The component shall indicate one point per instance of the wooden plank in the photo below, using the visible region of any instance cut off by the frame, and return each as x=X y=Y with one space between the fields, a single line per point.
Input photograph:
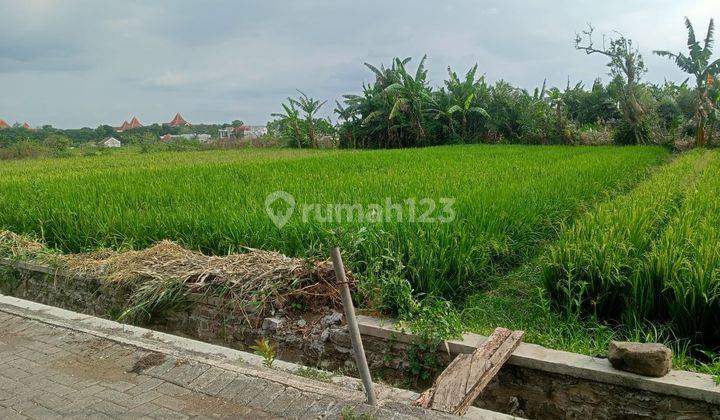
x=468 y=375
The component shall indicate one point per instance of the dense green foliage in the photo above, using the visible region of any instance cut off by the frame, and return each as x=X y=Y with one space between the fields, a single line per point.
x=401 y=109
x=650 y=255
x=509 y=200
x=698 y=64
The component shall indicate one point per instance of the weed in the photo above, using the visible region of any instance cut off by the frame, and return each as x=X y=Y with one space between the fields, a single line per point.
x=263 y=348
x=348 y=413
x=316 y=374
x=434 y=322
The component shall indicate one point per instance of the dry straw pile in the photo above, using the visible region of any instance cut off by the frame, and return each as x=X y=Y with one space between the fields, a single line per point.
x=166 y=274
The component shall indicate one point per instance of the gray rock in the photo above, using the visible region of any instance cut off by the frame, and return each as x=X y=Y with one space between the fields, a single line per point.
x=301 y=323
x=648 y=359
x=271 y=324
x=332 y=319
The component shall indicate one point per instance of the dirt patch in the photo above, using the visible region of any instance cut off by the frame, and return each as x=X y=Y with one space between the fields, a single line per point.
x=147 y=361
x=96 y=362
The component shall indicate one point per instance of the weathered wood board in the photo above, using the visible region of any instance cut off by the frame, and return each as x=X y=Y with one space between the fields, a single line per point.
x=468 y=375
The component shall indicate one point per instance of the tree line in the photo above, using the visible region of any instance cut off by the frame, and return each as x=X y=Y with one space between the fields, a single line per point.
x=19 y=142
x=401 y=109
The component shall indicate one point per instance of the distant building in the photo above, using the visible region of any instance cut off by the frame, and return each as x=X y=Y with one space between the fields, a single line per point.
x=3 y=124
x=232 y=132
x=256 y=130
x=111 y=142
x=26 y=125
x=178 y=121
x=202 y=138
x=124 y=126
x=135 y=123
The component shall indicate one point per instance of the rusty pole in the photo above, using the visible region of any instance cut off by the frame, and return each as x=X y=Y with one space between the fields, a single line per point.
x=353 y=328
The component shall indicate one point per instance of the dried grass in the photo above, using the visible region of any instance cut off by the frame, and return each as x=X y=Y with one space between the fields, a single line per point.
x=166 y=273
x=250 y=275
x=15 y=246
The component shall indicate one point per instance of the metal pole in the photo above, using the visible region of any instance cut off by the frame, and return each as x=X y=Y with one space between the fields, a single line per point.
x=357 y=345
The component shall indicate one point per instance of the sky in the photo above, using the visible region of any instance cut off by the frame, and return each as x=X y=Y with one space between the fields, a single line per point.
x=83 y=63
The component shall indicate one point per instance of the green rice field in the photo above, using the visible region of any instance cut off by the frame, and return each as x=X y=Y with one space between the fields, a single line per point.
x=508 y=201
x=576 y=245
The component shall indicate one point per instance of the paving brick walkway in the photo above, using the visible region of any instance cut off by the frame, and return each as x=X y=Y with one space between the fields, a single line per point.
x=51 y=370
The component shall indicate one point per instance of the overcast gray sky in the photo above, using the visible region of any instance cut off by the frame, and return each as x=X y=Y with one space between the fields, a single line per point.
x=73 y=63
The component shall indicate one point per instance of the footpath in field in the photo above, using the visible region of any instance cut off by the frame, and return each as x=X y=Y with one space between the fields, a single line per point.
x=56 y=363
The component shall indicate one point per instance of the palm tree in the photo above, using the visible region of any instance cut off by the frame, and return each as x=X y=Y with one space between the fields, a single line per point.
x=698 y=64
x=310 y=107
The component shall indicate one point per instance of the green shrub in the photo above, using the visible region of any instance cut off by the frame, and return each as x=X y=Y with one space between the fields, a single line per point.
x=24 y=149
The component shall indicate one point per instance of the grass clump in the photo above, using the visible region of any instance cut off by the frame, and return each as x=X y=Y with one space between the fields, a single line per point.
x=315 y=374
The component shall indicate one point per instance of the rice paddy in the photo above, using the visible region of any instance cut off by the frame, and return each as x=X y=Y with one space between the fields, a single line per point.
x=576 y=245
x=651 y=255
x=509 y=201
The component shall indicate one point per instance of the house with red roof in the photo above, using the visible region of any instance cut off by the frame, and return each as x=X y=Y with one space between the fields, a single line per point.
x=178 y=121
x=26 y=125
x=135 y=123
x=124 y=126
x=3 y=124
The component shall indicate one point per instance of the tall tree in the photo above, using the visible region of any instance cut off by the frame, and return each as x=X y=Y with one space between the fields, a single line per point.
x=290 y=122
x=698 y=64
x=463 y=95
x=310 y=107
x=626 y=62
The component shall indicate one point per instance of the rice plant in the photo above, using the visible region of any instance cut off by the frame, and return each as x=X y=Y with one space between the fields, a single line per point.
x=509 y=201
x=679 y=281
x=649 y=256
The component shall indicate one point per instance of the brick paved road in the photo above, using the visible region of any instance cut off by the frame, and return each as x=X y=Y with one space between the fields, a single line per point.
x=54 y=371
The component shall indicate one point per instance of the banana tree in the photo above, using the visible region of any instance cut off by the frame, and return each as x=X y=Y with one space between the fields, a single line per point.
x=310 y=107
x=464 y=96
x=411 y=99
x=290 y=121
x=698 y=64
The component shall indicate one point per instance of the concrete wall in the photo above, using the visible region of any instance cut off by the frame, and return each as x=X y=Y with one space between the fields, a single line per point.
x=536 y=382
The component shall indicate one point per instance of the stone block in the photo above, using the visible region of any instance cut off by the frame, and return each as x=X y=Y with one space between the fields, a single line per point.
x=648 y=359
